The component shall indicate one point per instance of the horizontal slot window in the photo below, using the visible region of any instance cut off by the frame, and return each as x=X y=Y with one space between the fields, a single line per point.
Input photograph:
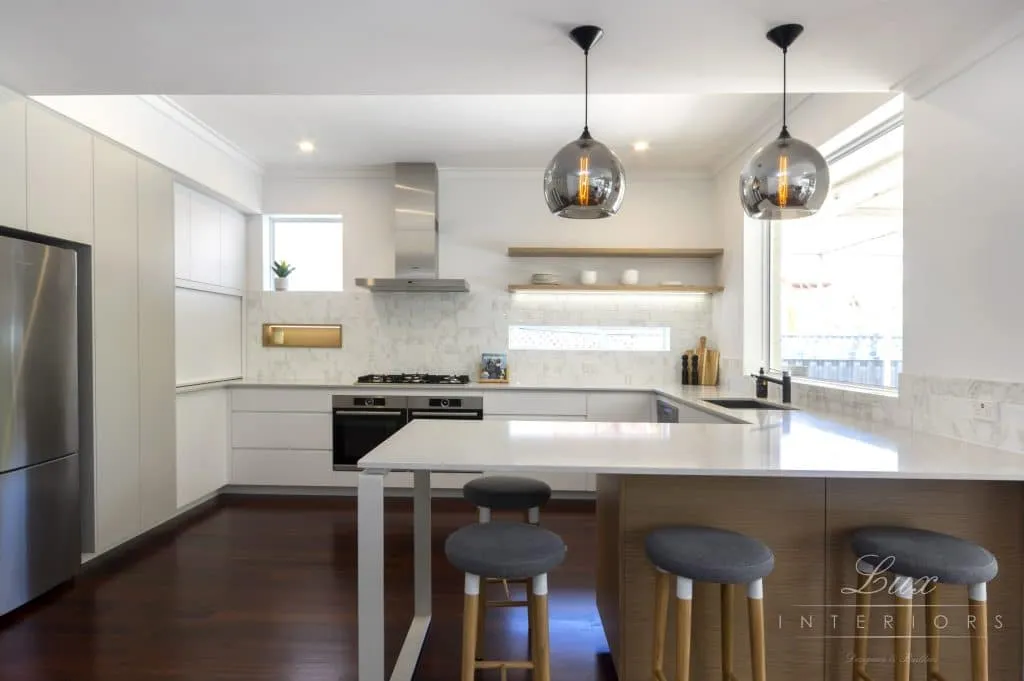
x=596 y=338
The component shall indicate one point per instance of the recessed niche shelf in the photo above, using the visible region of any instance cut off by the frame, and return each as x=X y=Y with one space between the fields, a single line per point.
x=302 y=335
x=557 y=252
x=610 y=288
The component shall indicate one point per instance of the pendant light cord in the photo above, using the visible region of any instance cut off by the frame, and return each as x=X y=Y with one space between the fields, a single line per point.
x=586 y=92
x=785 y=90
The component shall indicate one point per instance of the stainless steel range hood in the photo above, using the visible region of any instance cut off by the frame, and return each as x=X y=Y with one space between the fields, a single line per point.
x=416 y=218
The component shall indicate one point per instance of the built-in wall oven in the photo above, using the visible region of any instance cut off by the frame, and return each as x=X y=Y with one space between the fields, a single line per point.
x=363 y=422
x=462 y=408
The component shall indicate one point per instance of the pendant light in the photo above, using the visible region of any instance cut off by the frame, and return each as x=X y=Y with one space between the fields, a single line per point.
x=585 y=179
x=787 y=178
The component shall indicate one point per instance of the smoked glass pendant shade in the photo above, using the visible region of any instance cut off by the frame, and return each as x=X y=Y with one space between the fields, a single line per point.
x=786 y=179
x=585 y=180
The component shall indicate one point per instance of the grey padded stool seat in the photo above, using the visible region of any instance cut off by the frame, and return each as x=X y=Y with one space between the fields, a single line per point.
x=505 y=493
x=707 y=554
x=918 y=561
x=505 y=550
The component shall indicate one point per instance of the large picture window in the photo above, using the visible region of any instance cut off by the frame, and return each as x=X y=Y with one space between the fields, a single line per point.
x=835 y=280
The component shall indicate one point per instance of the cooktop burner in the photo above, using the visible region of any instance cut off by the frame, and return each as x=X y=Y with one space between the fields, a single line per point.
x=430 y=379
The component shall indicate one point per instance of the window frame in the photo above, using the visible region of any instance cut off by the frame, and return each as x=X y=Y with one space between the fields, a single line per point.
x=269 y=241
x=772 y=256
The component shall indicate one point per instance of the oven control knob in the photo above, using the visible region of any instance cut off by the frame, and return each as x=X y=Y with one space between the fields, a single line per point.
x=444 y=403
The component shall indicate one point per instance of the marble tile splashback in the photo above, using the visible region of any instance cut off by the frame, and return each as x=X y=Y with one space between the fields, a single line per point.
x=945 y=406
x=448 y=332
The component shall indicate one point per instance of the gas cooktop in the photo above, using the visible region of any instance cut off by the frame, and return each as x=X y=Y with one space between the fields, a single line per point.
x=428 y=379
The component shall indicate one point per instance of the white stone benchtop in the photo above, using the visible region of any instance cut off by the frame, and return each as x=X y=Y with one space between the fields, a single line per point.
x=772 y=444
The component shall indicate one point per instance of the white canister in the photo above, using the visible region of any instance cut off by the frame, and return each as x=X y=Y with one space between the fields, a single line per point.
x=631 y=277
x=588 y=277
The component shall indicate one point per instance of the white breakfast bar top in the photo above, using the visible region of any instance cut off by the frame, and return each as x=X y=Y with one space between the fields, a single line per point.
x=776 y=444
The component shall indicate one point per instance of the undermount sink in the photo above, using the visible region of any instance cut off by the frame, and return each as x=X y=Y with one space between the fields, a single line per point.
x=746 y=403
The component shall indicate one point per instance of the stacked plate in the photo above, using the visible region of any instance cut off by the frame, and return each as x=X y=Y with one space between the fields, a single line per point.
x=544 y=279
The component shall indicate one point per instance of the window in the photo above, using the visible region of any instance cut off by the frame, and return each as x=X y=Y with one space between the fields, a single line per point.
x=602 y=338
x=835 y=280
x=312 y=245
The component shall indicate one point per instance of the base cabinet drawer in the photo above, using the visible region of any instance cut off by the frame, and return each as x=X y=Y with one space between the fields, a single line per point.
x=297 y=468
x=521 y=403
x=272 y=430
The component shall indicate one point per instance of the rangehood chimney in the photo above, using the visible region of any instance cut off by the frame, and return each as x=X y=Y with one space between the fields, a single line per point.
x=415 y=201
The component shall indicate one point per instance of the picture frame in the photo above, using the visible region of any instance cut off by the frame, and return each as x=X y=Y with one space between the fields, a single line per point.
x=493 y=368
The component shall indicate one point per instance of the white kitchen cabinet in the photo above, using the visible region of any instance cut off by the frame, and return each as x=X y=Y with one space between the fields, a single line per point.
x=182 y=232
x=232 y=248
x=625 y=407
x=13 y=202
x=546 y=402
x=271 y=430
x=156 y=344
x=201 y=443
x=60 y=177
x=204 y=240
x=116 y=344
x=281 y=399
x=299 y=468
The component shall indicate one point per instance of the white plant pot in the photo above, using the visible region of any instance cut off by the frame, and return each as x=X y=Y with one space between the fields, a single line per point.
x=280 y=283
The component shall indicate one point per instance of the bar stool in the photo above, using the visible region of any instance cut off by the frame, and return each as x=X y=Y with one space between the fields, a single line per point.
x=705 y=554
x=504 y=550
x=920 y=560
x=505 y=493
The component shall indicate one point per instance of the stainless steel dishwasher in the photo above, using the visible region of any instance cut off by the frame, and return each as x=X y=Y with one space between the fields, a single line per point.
x=667 y=412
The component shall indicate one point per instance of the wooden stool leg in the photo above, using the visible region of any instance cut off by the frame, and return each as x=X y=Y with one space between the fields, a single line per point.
x=861 y=630
x=531 y=618
x=755 y=610
x=481 y=618
x=727 y=608
x=978 y=610
x=931 y=612
x=684 y=615
x=661 y=584
x=470 y=612
x=904 y=587
x=542 y=644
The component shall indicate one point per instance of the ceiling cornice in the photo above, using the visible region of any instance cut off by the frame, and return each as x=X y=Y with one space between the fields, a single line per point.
x=954 y=63
x=182 y=117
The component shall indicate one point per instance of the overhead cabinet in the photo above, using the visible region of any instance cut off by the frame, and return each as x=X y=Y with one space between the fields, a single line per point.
x=209 y=241
x=13 y=202
x=60 y=176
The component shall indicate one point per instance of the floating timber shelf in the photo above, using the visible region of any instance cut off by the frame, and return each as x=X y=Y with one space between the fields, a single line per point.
x=545 y=252
x=611 y=288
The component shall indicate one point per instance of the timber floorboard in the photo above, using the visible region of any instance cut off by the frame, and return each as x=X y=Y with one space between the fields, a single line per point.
x=265 y=589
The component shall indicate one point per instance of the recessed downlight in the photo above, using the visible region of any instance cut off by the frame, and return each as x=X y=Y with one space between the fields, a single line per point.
x=641 y=145
x=306 y=146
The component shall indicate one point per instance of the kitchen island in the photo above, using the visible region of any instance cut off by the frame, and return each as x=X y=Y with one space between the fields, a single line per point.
x=795 y=480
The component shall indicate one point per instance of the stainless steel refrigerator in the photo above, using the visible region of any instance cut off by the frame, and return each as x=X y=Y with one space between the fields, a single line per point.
x=40 y=530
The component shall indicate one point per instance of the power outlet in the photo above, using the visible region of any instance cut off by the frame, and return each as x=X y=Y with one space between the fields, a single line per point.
x=985 y=410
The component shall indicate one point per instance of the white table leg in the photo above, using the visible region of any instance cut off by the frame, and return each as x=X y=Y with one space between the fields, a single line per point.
x=370 y=541
x=421 y=541
x=371 y=577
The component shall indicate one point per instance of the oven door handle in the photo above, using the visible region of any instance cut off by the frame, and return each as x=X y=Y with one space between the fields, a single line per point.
x=445 y=414
x=368 y=412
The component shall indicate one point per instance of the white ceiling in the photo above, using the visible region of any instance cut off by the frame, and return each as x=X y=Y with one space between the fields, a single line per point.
x=470 y=46
x=686 y=132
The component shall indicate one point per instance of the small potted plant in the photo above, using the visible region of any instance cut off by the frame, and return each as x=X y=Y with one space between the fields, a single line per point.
x=281 y=271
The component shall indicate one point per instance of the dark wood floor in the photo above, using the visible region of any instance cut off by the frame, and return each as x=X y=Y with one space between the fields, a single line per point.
x=266 y=590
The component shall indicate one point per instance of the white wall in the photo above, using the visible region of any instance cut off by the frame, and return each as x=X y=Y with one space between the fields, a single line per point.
x=482 y=213
x=962 y=224
x=157 y=129
x=817 y=119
